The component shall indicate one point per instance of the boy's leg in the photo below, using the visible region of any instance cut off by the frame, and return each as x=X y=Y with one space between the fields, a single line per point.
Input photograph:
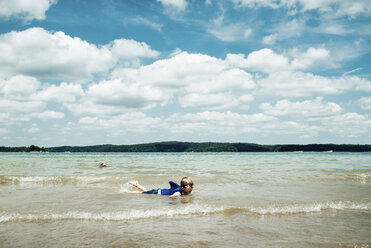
x=137 y=185
x=132 y=192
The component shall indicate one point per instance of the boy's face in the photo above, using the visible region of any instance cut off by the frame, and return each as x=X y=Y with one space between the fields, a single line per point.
x=186 y=190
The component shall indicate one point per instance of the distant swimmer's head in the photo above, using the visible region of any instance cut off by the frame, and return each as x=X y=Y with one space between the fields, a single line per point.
x=187 y=185
x=102 y=164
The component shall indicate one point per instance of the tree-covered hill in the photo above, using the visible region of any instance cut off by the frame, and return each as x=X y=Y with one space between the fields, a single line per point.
x=174 y=146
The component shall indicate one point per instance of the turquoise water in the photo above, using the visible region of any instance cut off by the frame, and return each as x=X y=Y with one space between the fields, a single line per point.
x=239 y=200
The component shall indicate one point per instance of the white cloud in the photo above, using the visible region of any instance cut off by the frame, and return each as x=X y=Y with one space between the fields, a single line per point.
x=11 y=106
x=194 y=81
x=352 y=71
x=246 y=98
x=222 y=81
x=49 y=115
x=365 y=103
x=203 y=124
x=208 y=101
x=23 y=98
x=187 y=71
x=212 y=122
x=176 y=52
x=346 y=125
x=54 y=55
x=19 y=87
x=228 y=32
x=308 y=108
x=215 y=101
x=12 y=120
x=51 y=55
x=247 y=33
x=286 y=30
x=184 y=73
x=300 y=84
x=62 y=93
x=346 y=52
x=290 y=128
x=258 y=3
x=129 y=95
x=149 y=23
x=27 y=10
x=268 y=61
x=3 y=131
x=116 y=97
x=236 y=125
x=177 y=5
x=197 y=80
x=33 y=129
x=86 y=106
x=339 y=7
x=133 y=122
x=353 y=83
x=25 y=88
x=331 y=27
x=125 y=49
x=290 y=29
x=264 y=60
x=270 y=39
x=313 y=56
x=208 y=83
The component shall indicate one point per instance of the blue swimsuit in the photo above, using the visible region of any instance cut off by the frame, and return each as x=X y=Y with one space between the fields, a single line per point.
x=173 y=189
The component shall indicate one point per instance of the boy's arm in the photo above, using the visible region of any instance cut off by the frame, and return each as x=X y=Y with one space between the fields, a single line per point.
x=176 y=194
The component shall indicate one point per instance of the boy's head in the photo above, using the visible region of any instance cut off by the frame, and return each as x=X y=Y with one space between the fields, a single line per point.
x=187 y=185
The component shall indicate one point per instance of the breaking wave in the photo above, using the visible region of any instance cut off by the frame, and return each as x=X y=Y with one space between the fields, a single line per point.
x=113 y=216
x=185 y=211
x=309 y=208
x=363 y=178
x=60 y=180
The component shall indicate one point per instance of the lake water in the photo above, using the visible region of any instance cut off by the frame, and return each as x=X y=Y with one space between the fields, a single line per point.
x=239 y=200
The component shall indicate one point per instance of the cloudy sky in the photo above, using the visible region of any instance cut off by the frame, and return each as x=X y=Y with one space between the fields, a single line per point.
x=84 y=72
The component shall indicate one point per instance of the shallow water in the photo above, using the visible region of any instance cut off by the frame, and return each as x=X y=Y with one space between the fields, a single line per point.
x=239 y=200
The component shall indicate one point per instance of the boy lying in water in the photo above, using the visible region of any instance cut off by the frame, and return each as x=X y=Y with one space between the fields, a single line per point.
x=185 y=188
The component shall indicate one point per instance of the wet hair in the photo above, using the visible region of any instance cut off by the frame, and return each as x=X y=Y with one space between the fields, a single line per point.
x=186 y=181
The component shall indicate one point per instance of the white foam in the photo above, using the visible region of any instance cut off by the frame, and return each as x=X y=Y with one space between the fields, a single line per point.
x=113 y=216
x=193 y=209
x=362 y=178
x=65 y=179
x=309 y=208
x=125 y=188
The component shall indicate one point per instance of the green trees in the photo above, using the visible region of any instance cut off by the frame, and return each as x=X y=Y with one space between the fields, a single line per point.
x=175 y=146
x=34 y=148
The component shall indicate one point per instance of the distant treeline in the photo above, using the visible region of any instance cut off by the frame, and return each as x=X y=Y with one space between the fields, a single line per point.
x=174 y=146
x=31 y=148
